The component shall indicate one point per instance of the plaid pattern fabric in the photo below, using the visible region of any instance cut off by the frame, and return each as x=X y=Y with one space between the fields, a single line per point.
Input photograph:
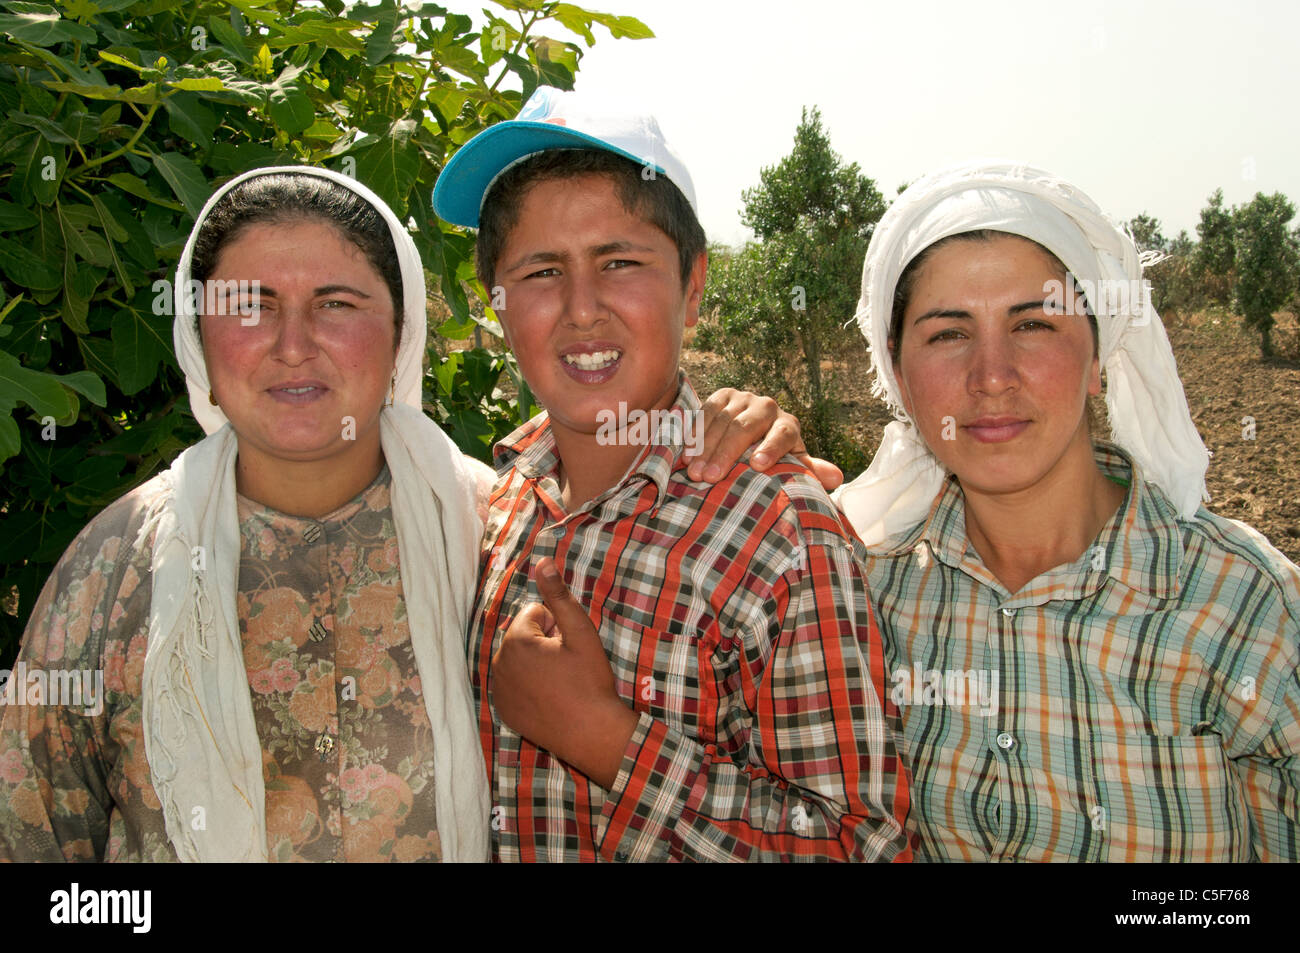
x=736 y=623
x=1147 y=703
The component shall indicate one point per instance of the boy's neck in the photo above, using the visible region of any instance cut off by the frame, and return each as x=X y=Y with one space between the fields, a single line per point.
x=588 y=468
x=592 y=463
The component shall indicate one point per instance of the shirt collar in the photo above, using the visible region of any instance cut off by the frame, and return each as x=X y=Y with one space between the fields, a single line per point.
x=1140 y=547
x=530 y=449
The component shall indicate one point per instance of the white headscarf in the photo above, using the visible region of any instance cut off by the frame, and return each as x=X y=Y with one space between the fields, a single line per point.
x=1144 y=397
x=201 y=739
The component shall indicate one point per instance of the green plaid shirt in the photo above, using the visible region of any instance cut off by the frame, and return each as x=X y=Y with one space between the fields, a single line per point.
x=1139 y=704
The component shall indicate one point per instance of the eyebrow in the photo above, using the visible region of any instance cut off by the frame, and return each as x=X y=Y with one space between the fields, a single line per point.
x=958 y=313
x=596 y=251
x=268 y=292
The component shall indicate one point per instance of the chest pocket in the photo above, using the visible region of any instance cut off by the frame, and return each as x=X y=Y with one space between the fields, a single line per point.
x=1169 y=798
x=680 y=678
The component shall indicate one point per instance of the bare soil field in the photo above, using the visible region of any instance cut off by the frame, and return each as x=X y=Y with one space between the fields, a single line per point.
x=1254 y=475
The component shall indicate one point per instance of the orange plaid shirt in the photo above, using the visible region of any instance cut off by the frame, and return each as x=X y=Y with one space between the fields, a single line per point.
x=736 y=622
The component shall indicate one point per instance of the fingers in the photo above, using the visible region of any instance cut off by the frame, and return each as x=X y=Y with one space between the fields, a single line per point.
x=534 y=619
x=738 y=424
x=718 y=411
x=782 y=438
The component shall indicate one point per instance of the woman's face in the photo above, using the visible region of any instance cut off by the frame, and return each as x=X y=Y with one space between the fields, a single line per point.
x=997 y=385
x=304 y=374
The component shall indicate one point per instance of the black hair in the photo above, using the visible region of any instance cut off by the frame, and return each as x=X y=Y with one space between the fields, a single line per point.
x=655 y=198
x=284 y=198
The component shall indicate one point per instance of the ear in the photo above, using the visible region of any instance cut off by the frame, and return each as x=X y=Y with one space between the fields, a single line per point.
x=695 y=288
x=1094 y=377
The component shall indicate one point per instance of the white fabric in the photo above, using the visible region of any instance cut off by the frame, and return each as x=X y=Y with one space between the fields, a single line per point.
x=200 y=736
x=1144 y=396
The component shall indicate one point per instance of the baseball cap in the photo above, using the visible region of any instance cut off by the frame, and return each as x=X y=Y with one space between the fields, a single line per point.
x=553 y=119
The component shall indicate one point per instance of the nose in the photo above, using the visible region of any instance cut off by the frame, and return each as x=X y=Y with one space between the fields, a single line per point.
x=993 y=368
x=582 y=306
x=295 y=341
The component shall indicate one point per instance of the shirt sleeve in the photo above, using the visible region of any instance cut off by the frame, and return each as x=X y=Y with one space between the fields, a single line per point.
x=822 y=781
x=1270 y=778
x=57 y=749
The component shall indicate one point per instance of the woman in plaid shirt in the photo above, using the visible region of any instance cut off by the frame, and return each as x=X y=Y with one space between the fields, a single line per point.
x=1091 y=665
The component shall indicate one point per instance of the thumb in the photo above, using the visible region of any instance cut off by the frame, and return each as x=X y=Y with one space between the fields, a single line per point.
x=571 y=619
x=828 y=474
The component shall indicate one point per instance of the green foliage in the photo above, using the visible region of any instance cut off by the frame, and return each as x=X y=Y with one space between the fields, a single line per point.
x=1215 y=261
x=119 y=119
x=1174 y=286
x=1267 y=262
x=1146 y=233
x=475 y=411
x=782 y=302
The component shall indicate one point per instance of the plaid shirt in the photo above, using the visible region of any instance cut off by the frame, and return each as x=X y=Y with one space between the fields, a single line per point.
x=1147 y=706
x=736 y=623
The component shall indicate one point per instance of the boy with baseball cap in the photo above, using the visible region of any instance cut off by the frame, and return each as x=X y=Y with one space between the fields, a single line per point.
x=721 y=694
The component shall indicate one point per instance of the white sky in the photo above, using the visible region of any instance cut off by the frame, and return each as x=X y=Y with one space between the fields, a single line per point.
x=1147 y=106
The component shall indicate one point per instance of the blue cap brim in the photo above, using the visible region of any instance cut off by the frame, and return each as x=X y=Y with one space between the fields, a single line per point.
x=458 y=193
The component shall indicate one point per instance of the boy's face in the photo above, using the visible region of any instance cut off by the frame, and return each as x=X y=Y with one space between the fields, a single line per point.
x=594 y=302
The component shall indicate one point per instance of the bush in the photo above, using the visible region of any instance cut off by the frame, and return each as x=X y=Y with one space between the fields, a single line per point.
x=781 y=303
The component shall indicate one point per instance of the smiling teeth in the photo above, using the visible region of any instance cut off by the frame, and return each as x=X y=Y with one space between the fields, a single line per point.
x=298 y=390
x=592 y=362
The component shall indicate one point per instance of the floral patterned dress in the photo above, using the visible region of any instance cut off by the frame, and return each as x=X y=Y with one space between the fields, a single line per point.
x=346 y=742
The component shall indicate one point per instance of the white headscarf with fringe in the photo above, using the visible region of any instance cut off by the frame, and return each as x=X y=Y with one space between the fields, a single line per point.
x=201 y=741
x=1146 y=406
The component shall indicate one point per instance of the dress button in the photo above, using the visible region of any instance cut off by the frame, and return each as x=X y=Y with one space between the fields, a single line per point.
x=620 y=856
x=1005 y=740
x=311 y=533
x=1008 y=612
x=317 y=632
x=324 y=745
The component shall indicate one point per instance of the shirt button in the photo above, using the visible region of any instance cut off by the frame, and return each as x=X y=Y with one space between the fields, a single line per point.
x=620 y=856
x=311 y=533
x=1008 y=612
x=1005 y=740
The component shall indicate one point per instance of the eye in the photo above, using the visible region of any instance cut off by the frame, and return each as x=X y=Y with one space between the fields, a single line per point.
x=251 y=305
x=947 y=334
x=1035 y=324
x=336 y=304
x=543 y=273
x=617 y=263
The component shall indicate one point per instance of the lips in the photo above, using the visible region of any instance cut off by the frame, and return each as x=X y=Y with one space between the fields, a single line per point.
x=996 y=429
x=297 y=392
x=591 y=362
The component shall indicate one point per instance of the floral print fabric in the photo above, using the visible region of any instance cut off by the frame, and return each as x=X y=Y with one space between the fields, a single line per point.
x=346 y=740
